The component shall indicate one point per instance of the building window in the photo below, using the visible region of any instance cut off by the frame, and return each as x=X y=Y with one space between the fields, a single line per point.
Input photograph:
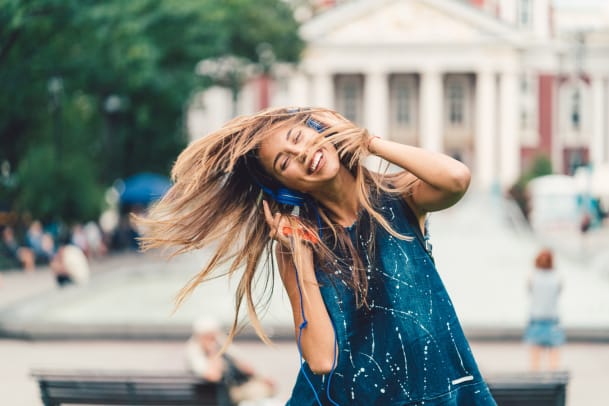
x=456 y=104
x=403 y=109
x=525 y=86
x=403 y=104
x=525 y=13
x=403 y=100
x=525 y=91
x=528 y=105
x=349 y=97
x=576 y=110
x=525 y=119
x=350 y=101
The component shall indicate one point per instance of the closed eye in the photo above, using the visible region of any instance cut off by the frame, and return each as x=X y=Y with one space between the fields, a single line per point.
x=284 y=163
x=298 y=137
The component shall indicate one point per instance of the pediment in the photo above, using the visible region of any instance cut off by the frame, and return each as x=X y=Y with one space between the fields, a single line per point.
x=405 y=22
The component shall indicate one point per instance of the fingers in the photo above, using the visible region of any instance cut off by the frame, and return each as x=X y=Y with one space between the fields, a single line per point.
x=282 y=230
x=275 y=226
x=274 y=222
x=267 y=213
x=270 y=220
x=328 y=118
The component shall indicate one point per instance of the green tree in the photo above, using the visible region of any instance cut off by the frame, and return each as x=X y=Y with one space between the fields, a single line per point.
x=541 y=166
x=101 y=88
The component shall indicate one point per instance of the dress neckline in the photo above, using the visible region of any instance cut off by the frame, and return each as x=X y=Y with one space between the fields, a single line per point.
x=358 y=217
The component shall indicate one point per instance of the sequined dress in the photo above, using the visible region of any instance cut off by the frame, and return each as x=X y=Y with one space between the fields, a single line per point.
x=407 y=347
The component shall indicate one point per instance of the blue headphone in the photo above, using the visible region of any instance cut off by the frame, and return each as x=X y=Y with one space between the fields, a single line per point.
x=284 y=195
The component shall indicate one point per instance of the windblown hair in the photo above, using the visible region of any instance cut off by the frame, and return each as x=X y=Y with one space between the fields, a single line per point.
x=216 y=199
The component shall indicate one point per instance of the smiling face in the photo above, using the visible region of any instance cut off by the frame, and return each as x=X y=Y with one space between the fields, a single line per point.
x=288 y=155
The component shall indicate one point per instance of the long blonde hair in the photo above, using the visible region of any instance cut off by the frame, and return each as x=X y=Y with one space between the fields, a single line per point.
x=216 y=198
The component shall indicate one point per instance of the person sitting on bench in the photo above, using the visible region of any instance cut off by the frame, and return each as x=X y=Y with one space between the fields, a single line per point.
x=205 y=360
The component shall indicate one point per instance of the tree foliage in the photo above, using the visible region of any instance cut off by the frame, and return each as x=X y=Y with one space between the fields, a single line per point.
x=541 y=166
x=100 y=88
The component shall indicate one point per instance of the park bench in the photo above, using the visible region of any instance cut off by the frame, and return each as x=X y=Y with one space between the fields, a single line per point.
x=124 y=388
x=58 y=387
x=529 y=388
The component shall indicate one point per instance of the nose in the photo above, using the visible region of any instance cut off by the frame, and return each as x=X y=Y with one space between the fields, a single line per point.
x=302 y=156
x=299 y=152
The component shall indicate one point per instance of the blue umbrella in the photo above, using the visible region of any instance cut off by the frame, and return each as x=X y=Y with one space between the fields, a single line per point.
x=143 y=188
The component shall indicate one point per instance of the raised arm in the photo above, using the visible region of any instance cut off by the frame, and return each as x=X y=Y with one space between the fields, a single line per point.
x=317 y=338
x=432 y=181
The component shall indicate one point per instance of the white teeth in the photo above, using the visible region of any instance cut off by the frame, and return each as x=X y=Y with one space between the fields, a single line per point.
x=315 y=162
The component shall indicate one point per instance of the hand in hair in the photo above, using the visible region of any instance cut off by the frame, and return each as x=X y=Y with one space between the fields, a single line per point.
x=351 y=141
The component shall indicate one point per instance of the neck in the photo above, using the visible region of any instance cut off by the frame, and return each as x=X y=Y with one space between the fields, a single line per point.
x=340 y=198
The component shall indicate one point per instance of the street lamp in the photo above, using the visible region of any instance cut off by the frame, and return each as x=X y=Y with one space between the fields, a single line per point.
x=113 y=105
x=55 y=88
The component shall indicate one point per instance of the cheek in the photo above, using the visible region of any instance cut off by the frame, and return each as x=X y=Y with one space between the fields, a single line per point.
x=289 y=180
x=332 y=161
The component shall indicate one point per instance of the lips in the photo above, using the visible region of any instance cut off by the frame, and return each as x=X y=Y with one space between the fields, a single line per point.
x=314 y=164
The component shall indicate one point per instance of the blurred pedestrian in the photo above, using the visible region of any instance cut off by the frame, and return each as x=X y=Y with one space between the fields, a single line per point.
x=18 y=254
x=70 y=266
x=544 y=332
x=373 y=320
x=95 y=240
x=41 y=242
x=206 y=361
x=79 y=238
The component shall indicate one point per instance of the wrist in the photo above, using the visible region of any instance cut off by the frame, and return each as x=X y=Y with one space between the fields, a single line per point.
x=369 y=146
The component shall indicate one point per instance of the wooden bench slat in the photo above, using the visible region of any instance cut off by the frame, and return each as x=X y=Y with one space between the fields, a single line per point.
x=128 y=388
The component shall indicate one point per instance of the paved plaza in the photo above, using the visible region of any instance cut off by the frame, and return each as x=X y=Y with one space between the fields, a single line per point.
x=123 y=318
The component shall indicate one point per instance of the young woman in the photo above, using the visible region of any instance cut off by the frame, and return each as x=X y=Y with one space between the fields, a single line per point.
x=544 y=332
x=372 y=318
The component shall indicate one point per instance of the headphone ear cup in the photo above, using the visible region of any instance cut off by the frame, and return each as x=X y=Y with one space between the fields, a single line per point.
x=289 y=196
x=316 y=125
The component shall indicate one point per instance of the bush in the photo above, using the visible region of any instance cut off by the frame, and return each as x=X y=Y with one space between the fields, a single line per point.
x=541 y=166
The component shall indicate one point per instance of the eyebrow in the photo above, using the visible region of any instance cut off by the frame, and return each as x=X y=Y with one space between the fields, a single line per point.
x=287 y=137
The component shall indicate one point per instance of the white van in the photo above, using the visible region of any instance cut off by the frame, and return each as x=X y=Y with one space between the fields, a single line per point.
x=554 y=203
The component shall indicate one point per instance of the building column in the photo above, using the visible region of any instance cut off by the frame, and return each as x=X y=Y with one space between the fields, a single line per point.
x=432 y=111
x=298 y=94
x=606 y=136
x=597 y=143
x=509 y=144
x=323 y=90
x=484 y=172
x=376 y=103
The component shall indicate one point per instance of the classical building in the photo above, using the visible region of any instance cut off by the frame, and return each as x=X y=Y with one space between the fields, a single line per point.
x=491 y=82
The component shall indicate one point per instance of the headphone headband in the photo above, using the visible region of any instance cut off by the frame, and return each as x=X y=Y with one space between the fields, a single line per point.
x=314 y=124
x=289 y=196
x=284 y=195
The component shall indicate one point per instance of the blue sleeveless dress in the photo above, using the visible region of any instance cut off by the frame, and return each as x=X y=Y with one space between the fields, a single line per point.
x=407 y=346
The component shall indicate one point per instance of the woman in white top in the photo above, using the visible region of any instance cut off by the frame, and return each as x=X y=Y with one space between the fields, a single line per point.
x=544 y=332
